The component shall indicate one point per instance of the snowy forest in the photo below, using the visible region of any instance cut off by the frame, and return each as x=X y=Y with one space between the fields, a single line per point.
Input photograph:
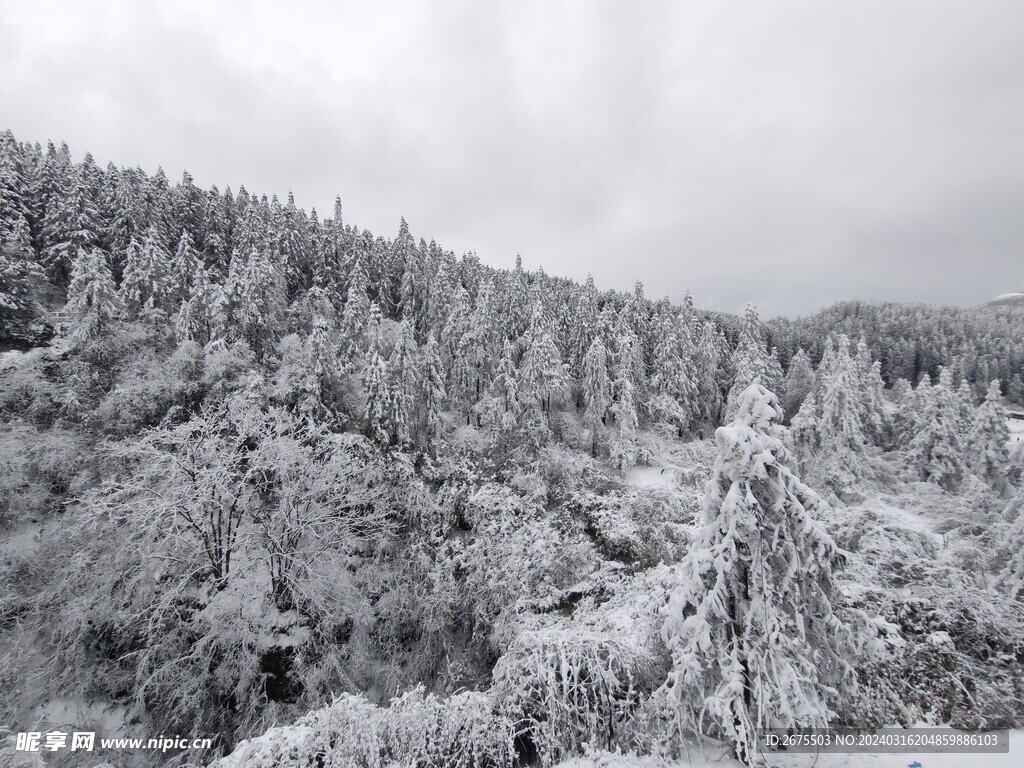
x=337 y=498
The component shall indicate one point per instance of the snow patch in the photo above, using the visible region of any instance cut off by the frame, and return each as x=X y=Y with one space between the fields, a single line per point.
x=107 y=720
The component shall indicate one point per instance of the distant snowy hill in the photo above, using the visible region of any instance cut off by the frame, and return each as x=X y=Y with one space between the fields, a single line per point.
x=1008 y=300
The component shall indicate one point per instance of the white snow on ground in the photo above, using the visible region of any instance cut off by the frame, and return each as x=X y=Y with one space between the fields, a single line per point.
x=652 y=477
x=904 y=519
x=1008 y=296
x=23 y=539
x=10 y=359
x=1016 y=431
x=714 y=759
x=107 y=720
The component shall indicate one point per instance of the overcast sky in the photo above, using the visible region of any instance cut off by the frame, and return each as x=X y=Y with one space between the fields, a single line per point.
x=789 y=154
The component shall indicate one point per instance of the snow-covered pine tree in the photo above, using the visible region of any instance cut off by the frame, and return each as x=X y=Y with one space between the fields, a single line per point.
x=635 y=318
x=70 y=225
x=505 y=390
x=625 y=420
x=751 y=360
x=148 y=281
x=12 y=191
x=93 y=301
x=542 y=375
x=354 y=320
x=196 y=314
x=185 y=265
x=805 y=437
x=584 y=327
x=376 y=382
x=987 y=452
x=255 y=290
x=967 y=406
x=322 y=380
x=403 y=386
x=672 y=391
x=841 y=427
x=431 y=380
x=754 y=637
x=597 y=390
x=1011 y=554
x=20 y=278
x=475 y=351
x=516 y=302
x=874 y=417
x=936 y=451
x=903 y=418
x=709 y=390
x=799 y=382
x=291 y=241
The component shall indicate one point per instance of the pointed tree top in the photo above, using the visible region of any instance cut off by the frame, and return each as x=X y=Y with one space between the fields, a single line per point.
x=758 y=406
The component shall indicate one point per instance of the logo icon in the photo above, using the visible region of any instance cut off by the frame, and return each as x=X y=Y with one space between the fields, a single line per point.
x=915 y=764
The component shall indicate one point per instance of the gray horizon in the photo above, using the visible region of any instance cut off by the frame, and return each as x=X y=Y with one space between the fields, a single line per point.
x=788 y=155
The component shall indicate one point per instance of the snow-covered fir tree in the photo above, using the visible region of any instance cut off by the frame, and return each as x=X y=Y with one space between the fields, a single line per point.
x=321 y=383
x=148 y=281
x=255 y=294
x=377 y=384
x=403 y=372
x=597 y=391
x=70 y=225
x=673 y=391
x=936 y=451
x=185 y=266
x=799 y=382
x=751 y=359
x=542 y=374
x=20 y=277
x=431 y=378
x=625 y=419
x=754 y=636
x=93 y=301
x=987 y=452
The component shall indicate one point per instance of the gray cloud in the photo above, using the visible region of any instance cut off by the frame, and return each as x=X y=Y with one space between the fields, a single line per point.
x=791 y=154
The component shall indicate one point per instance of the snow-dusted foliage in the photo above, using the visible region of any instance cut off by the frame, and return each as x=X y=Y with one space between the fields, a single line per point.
x=415 y=729
x=565 y=687
x=754 y=639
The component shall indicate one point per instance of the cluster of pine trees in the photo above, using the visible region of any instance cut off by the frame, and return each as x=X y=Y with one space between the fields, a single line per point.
x=911 y=340
x=501 y=346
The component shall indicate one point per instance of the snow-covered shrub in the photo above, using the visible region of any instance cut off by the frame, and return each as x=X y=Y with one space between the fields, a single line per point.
x=953 y=654
x=517 y=556
x=635 y=525
x=566 y=472
x=419 y=730
x=565 y=686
